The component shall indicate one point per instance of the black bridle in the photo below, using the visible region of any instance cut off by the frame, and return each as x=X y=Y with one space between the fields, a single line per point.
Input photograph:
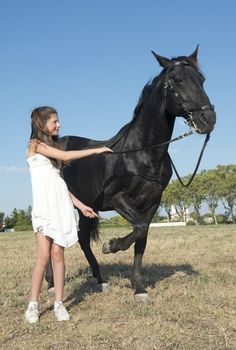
x=187 y=111
x=189 y=121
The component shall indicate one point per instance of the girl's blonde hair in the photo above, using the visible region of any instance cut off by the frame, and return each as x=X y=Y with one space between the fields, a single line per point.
x=39 y=132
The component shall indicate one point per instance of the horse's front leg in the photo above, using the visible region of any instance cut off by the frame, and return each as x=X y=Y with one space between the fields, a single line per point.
x=137 y=236
x=125 y=208
x=116 y=244
x=140 y=292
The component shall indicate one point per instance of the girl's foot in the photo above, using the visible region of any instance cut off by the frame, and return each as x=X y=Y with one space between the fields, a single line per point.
x=60 y=311
x=32 y=313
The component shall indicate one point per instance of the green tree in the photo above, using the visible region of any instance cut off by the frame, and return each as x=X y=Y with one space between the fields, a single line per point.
x=28 y=216
x=180 y=198
x=227 y=188
x=211 y=191
x=196 y=195
x=1 y=219
x=21 y=219
x=12 y=219
x=166 y=201
x=157 y=217
x=175 y=195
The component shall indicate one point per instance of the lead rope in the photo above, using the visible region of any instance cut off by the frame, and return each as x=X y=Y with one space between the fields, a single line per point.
x=172 y=164
x=156 y=146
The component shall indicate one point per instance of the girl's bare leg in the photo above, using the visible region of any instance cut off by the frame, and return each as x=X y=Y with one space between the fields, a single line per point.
x=43 y=256
x=58 y=263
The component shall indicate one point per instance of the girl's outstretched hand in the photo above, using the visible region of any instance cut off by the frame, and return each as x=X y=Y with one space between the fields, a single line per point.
x=104 y=150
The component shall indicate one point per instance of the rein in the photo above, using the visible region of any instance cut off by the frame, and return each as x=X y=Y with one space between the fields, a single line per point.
x=196 y=168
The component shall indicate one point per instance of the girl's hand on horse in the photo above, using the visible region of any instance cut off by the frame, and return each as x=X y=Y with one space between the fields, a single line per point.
x=88 y=212
x=104 y=150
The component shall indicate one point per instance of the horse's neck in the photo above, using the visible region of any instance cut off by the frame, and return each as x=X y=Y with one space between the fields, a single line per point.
x=152 y=126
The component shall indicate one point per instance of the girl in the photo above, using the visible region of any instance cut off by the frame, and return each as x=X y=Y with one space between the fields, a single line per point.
x=53 y=217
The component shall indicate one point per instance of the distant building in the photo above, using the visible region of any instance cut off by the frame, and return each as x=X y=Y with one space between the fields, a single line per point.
x=175 y=217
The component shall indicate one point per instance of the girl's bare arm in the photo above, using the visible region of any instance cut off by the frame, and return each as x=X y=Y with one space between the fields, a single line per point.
x=86 y=211
x=65 y=156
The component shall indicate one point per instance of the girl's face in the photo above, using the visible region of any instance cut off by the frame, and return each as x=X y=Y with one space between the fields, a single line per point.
x=53 y=125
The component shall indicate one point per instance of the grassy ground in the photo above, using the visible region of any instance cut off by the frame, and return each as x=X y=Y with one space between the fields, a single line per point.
x=190 y=273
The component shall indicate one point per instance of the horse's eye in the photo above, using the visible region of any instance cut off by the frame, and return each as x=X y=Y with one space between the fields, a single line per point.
x=178 y=81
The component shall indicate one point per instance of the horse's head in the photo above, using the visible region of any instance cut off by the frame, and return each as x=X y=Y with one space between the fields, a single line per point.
x=185 y=95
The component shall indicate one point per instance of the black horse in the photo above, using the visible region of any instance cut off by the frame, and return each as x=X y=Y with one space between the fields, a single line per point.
x=132 y=179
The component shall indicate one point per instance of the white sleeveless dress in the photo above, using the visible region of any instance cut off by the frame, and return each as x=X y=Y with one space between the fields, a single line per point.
x=53 y=213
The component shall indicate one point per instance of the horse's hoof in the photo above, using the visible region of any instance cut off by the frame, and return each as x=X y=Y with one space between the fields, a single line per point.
x=143 y=298
x=111 y=246
x=51 y=291
x=106 y=248
x=103 y=287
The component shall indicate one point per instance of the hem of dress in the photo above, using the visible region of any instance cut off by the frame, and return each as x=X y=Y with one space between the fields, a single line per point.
x=65 y=243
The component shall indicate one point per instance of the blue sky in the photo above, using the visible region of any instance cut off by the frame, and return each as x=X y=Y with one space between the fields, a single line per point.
x=91 y=59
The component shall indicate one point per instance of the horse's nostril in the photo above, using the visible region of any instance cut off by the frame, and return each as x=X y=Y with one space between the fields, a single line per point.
x=203 y=118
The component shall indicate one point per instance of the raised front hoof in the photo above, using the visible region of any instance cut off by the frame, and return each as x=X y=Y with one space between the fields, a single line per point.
x=110 y=246
x=51 y=291
x=103 y=288
x=143 y=298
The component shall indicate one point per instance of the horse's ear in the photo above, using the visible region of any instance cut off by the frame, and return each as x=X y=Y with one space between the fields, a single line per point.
x=193 y=56
x=163 y=61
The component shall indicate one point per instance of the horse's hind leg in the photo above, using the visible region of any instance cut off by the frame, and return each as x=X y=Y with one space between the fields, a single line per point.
x=84 y=241
x=49 y=277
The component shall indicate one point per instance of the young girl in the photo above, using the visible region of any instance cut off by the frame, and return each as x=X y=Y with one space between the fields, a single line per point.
x=53 y=217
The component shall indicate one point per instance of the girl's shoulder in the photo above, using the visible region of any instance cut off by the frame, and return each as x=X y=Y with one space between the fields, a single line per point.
x=33 y=143
x=32 y=146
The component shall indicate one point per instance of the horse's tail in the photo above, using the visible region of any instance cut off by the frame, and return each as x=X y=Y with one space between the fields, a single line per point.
x=94 y=231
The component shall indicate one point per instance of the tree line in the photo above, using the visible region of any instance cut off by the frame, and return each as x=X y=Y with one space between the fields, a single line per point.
x=210 y=187
x=20 y=220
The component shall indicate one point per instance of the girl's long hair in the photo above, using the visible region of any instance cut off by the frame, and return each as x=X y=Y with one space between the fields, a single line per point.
x=39 y=132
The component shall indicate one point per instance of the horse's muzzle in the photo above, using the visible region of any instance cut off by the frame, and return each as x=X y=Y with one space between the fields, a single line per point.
x=203 y=121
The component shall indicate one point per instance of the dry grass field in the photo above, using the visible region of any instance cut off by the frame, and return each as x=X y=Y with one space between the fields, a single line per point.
x=190 y=273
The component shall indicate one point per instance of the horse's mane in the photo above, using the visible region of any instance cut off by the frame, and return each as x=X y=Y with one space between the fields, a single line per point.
x=146 y=92
x=148 y=87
